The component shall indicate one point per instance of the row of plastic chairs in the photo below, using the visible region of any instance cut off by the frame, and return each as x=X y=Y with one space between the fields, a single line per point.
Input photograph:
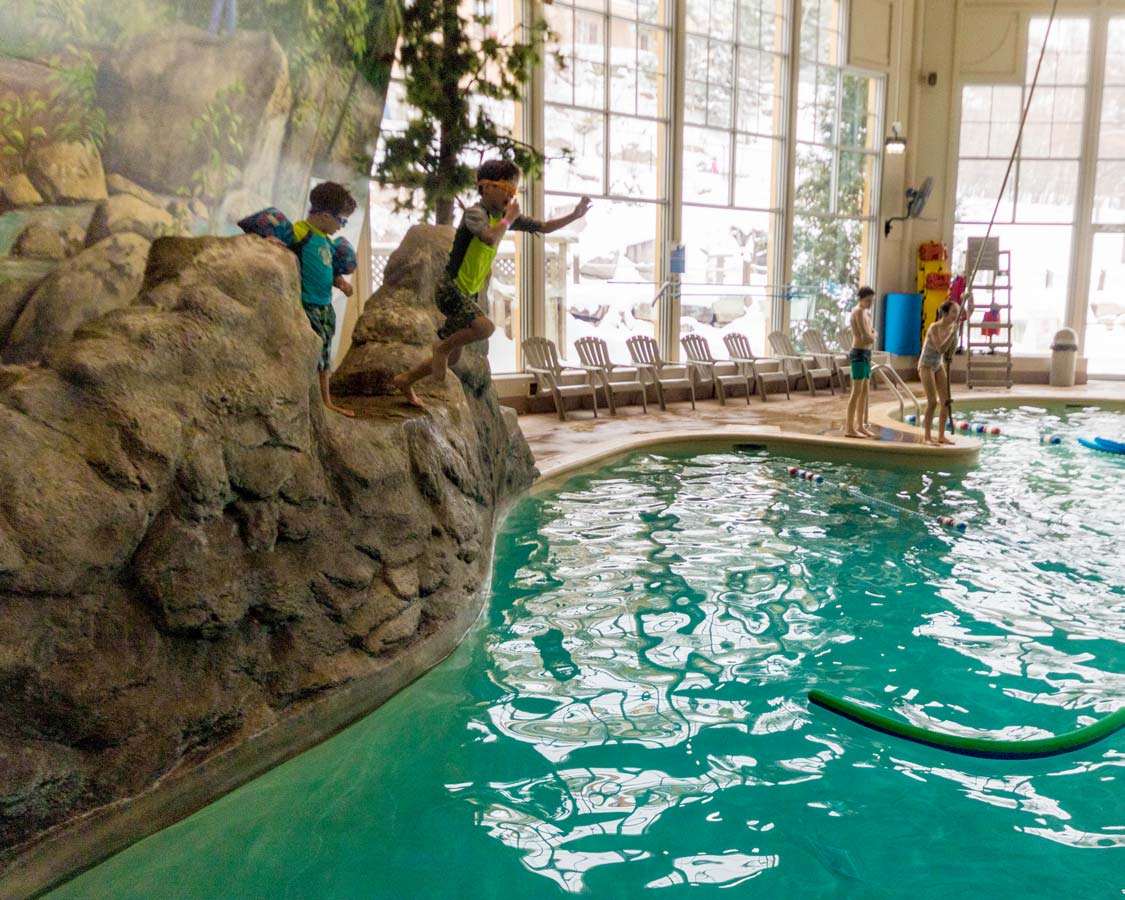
x=649 y=369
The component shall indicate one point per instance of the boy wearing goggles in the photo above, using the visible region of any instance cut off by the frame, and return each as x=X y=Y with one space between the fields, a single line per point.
x=463 y=287
x=330 y=205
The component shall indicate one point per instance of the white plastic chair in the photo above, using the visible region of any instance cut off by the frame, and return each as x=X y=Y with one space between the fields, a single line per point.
x=542 y=360
x=699 y=359
x=646 y=357
x=738 y=346
x=594 y=356
x=796 y=366
x=837 y=362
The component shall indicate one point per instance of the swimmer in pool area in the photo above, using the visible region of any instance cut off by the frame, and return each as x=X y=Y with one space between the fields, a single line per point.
x=863 y=339
x=931 y=368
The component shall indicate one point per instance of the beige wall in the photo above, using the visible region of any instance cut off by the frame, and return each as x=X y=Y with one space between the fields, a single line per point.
x=908 y=39
x=990 y=46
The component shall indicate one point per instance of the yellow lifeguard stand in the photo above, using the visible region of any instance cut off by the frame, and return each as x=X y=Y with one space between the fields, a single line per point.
x=934 y=277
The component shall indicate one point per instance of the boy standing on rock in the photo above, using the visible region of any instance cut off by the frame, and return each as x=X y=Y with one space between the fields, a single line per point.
x=321 y=263
x=470 y=266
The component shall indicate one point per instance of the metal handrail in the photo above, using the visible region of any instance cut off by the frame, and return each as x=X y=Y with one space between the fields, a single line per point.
x=665 y=286
x=894 y=382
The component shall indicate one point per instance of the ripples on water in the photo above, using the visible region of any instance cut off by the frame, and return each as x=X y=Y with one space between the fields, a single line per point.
x=631 y=715
x=668 y=598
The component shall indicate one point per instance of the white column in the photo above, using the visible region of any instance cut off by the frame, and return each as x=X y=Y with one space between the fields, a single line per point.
x=533 y=272
x=1082 y=247
x=668 y=316
x=780 y=318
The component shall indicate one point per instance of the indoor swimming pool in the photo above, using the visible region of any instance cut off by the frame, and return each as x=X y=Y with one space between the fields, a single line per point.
x=629 y=715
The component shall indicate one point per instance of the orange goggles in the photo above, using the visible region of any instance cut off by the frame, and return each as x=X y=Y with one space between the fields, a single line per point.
x=509 y=188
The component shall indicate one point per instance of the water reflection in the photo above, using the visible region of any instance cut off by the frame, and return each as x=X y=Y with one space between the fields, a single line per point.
x=672 y=601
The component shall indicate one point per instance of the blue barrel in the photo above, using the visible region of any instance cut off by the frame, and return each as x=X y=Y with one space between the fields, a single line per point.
x=903 y=324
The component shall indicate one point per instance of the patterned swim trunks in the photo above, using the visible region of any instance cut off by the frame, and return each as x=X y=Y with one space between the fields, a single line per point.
x=323 y=321
x=459 y=310
x=861 y=363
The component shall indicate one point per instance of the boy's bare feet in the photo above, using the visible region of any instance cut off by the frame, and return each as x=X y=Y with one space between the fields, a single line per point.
x=855 y=434
x=407 y=390
x=866 y=432
x=945 y=440
x=339 y=409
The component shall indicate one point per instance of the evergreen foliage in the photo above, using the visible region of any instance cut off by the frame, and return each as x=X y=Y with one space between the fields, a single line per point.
x=447 y=61
x=830 y=204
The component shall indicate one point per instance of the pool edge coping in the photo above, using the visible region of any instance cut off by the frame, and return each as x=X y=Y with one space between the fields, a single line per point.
x=883 y=414
x=964 y=452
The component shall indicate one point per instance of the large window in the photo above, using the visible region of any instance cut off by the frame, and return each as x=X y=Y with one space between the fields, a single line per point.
x=1037 y=215
x=1105 y=316
x=838 y=157
x=606 y=117
x=608 y=107
x=734 y=153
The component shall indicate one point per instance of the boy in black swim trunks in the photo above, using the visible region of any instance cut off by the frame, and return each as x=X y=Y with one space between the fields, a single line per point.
x=466 y=277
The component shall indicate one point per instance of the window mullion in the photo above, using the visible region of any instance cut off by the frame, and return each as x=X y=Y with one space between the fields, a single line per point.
x=1082 y=249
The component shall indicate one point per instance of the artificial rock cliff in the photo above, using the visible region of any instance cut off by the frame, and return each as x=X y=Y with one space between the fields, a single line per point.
x=192 y=551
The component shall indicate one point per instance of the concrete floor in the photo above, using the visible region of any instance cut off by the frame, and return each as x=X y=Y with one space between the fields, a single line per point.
x=560 y=446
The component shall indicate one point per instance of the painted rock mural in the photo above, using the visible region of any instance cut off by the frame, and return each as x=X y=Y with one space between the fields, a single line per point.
x=159 y=118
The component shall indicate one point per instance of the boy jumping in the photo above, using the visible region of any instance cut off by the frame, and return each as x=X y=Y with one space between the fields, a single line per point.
x=462 y=288
x=863 y=340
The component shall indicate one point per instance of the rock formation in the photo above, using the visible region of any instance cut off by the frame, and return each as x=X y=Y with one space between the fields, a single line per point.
x=124 y=213
x=399 y=322
x=191 y=552
x=172 y=76
x=67 y=172
x=103 y=277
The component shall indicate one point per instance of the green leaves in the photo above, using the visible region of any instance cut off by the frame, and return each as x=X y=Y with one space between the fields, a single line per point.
x=448 y=61
x=79 y=117
x=23 y=122
x=217 y=131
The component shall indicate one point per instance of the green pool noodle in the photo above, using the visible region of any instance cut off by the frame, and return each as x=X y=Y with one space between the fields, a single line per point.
x=970 y=746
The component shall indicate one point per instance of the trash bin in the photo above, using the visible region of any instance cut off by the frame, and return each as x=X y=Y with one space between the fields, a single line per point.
x=1064 y=357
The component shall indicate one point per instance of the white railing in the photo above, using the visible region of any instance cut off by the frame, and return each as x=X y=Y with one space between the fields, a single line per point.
x=900 y=389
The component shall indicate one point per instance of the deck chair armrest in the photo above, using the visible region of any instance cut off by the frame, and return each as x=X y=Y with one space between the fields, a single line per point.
x=578 y=367
x=545 y=377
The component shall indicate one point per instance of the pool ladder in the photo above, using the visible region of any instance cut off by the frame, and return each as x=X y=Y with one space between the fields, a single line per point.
x=899 y=388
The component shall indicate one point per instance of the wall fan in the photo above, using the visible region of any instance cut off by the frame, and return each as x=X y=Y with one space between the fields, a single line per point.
x=915 y=203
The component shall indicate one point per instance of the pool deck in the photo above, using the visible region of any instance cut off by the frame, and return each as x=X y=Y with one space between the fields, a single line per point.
x=811 y=421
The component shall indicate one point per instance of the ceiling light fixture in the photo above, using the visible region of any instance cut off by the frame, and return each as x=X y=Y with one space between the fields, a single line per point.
x=896 y=143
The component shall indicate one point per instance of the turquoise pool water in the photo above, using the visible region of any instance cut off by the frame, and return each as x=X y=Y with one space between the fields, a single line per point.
x=629 y=716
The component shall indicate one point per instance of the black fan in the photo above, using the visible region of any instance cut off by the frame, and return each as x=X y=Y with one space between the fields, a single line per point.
x=915 y=203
